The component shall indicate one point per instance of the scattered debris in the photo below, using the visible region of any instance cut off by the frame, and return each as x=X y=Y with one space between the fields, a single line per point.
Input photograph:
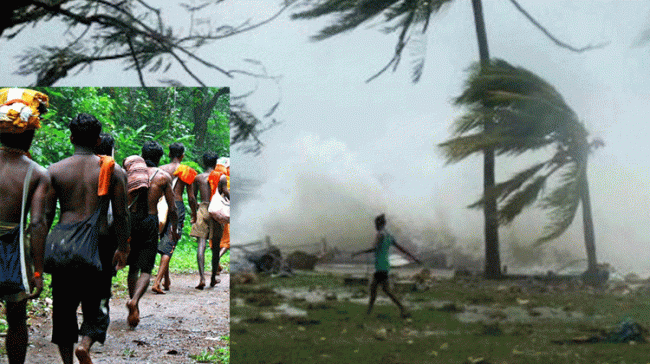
x=244 y=278
x=141 y=343
x=302 y=260
x=381 y=334
x=627 y=331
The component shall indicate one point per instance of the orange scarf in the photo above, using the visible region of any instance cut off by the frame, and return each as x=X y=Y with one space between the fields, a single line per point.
x=215 y=175
x=185 y=174
x=106 y=166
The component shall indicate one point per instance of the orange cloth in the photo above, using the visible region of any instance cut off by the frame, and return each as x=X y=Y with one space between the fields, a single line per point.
x=225 y=238
x=106 y=166
x=214 y=177
x=19 y=109
x=185 y=174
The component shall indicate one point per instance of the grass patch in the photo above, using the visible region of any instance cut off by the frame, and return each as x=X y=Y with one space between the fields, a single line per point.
x=218 y=355
x=341 y=332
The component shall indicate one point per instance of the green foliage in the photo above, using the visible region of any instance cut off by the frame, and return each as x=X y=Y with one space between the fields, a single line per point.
x=135 y=115
x=411 y=18
x=219 y=355
x=528 y=114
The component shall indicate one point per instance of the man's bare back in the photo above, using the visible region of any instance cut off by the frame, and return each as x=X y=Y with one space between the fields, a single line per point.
x=161 y=184
x=13 y=169
x=75 y=181
x=179 y=187
x=203 y=186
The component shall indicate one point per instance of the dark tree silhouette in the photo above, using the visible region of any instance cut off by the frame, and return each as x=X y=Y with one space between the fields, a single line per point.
x=134 y=32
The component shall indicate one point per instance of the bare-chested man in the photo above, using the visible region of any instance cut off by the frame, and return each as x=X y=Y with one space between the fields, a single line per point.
x=144 y=226
x=14 y=164
x=204 y=227
x=83 y=196
x=182 y=179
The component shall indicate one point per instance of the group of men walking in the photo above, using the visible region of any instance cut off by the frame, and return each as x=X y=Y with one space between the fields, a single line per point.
x=113 y=210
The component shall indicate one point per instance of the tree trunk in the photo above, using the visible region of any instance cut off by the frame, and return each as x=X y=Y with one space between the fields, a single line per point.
x=588 y=223
x=492 y=259
x=201 y=114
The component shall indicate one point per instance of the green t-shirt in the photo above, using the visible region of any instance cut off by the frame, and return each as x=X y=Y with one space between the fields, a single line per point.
x=381 y=252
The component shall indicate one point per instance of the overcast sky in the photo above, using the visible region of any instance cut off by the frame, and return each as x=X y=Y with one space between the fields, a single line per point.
x=346 y=150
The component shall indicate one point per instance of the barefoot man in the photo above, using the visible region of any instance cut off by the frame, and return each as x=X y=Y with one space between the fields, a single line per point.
x=183 y=179
x=144 y=194
x=383 y=241
x=204 y=227
x=219 y=180
x=83 y=185
x=14 y=165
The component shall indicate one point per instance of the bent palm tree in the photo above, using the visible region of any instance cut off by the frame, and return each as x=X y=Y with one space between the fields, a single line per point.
x=412 y=18
x=529 y=114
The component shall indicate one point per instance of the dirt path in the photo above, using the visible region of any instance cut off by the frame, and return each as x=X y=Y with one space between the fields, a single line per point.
x=183 y=322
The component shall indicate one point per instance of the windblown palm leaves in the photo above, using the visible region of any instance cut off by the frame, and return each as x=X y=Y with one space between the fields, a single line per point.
x=411 y=17
x=528 y=114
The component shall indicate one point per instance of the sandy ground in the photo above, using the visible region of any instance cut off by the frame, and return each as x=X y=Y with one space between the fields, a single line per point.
x=183 y=322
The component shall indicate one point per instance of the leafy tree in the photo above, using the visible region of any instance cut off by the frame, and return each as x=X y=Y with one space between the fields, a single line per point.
x=134 y=115
x=136 y=33
x=412 y=18
x=529 y=115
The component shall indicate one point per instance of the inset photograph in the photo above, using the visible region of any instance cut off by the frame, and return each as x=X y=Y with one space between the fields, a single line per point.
x=114 y=224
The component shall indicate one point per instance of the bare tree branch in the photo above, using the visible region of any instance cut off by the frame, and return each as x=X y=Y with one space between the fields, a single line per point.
x=551 y=37
x=236 y=31
x=135 y=59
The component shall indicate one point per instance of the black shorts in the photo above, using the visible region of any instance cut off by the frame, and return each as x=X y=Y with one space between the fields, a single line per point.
x=68 y=291
x=381 y=276
x=167 y=243
x=144 y=242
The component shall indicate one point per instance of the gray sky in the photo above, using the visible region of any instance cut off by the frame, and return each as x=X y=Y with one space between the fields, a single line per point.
x=347 y=150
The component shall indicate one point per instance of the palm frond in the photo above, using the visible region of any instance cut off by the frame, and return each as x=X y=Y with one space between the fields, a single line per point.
x=521 y=199
x=402 y=15
x=351 y=13
x=527 y=113
x=562 y=203
x=418 y=51
x=502 y=190
x=459 y=148
x=472 y=120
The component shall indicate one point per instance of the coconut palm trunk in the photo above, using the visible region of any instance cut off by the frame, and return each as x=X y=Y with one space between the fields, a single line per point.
x=492 y=258
x=588 y=224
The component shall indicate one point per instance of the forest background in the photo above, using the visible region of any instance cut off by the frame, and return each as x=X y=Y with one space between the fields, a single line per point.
x=196 y=117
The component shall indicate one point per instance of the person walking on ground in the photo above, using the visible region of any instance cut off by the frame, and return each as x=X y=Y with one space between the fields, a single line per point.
x=109 y=242
x=21 y=193
x=183 y=179
x=224 y=191
x=146 y=184
x=204 y=227
x=219 y=180
x=82 y=184
x=383 y=241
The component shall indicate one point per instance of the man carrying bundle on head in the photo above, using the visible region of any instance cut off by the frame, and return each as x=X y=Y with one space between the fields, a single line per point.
x=146 y=185
x=24 y=186
x=84 y=184
x=183 y=179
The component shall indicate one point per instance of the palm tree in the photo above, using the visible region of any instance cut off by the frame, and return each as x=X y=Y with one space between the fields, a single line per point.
x=412 y=19
x=529 y=114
